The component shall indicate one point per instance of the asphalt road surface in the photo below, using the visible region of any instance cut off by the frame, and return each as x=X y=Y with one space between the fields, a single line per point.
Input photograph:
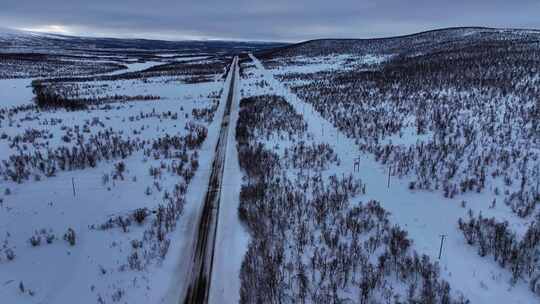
x=199 y=280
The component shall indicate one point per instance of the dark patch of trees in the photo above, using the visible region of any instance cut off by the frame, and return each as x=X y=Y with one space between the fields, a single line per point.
x=466 y=107
x=521 y=256
x=309 y=243
x=51 y=97
x=27 y=65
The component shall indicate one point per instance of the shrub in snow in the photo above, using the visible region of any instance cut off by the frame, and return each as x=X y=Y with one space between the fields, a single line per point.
x=140 y=214
x=124 y=223
x=69 y=236
x=534 y=285
x=148 y=191
x=10 y=255
x=50 y=238
x=136 y=244
x=35 y=240
x=134 y=261
x=117 y=295
x=120 y=168
x=105 y=179
x=205 y=114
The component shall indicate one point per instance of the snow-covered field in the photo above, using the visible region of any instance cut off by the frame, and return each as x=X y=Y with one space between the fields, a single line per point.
x=97 y=265
x=347 y=163
x=15 y=92
x=425 y=215
x=428 y=144
x=101 y=205
x=18 y=91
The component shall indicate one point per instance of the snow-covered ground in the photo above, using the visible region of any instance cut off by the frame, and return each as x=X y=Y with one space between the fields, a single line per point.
x=113 y=258
x=97 y=268
x=18 y=91
x=15 y=92
x=136 y=66
x=425 y=215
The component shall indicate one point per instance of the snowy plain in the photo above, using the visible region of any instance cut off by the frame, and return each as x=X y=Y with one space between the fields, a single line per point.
x=97 y=267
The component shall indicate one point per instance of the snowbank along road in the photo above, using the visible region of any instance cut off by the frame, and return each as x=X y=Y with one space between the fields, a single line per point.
x=199 y=280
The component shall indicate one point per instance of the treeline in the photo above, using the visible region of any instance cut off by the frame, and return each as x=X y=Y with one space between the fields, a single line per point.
x=32 y=65
x=409 y=45
x=49 y=97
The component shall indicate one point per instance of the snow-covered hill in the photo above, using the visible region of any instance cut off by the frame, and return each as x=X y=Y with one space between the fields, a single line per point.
x=436 y=40
x=443 y=127
x=24 y=41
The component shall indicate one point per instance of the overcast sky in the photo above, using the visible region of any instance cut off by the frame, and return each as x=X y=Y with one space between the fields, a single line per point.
x=282 y=20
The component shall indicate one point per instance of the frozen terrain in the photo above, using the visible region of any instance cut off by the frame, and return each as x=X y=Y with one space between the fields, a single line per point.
x=396 y=170
x=99 y=202
x=425 y=216
x=422 y=139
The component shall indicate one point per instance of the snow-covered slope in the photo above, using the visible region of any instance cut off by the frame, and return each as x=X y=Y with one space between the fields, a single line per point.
x=444 y=130
x=424 y=42
x=16 y=40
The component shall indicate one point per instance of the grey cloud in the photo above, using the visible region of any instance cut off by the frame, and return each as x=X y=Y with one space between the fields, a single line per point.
x=265 y=20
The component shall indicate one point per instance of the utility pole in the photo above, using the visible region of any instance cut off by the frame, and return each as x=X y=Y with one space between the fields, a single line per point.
x=73 y=185
x=442 y=241
x=389 y=173
x=357 y=164
x=537 y=180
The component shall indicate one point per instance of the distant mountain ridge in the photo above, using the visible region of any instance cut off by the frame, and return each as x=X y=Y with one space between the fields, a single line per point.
x=411 y=43
x=22 y=41
x=12 y=40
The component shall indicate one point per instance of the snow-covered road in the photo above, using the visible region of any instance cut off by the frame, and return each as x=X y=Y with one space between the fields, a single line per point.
x=232 y=238
x=181 y=268
x=200 y=277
